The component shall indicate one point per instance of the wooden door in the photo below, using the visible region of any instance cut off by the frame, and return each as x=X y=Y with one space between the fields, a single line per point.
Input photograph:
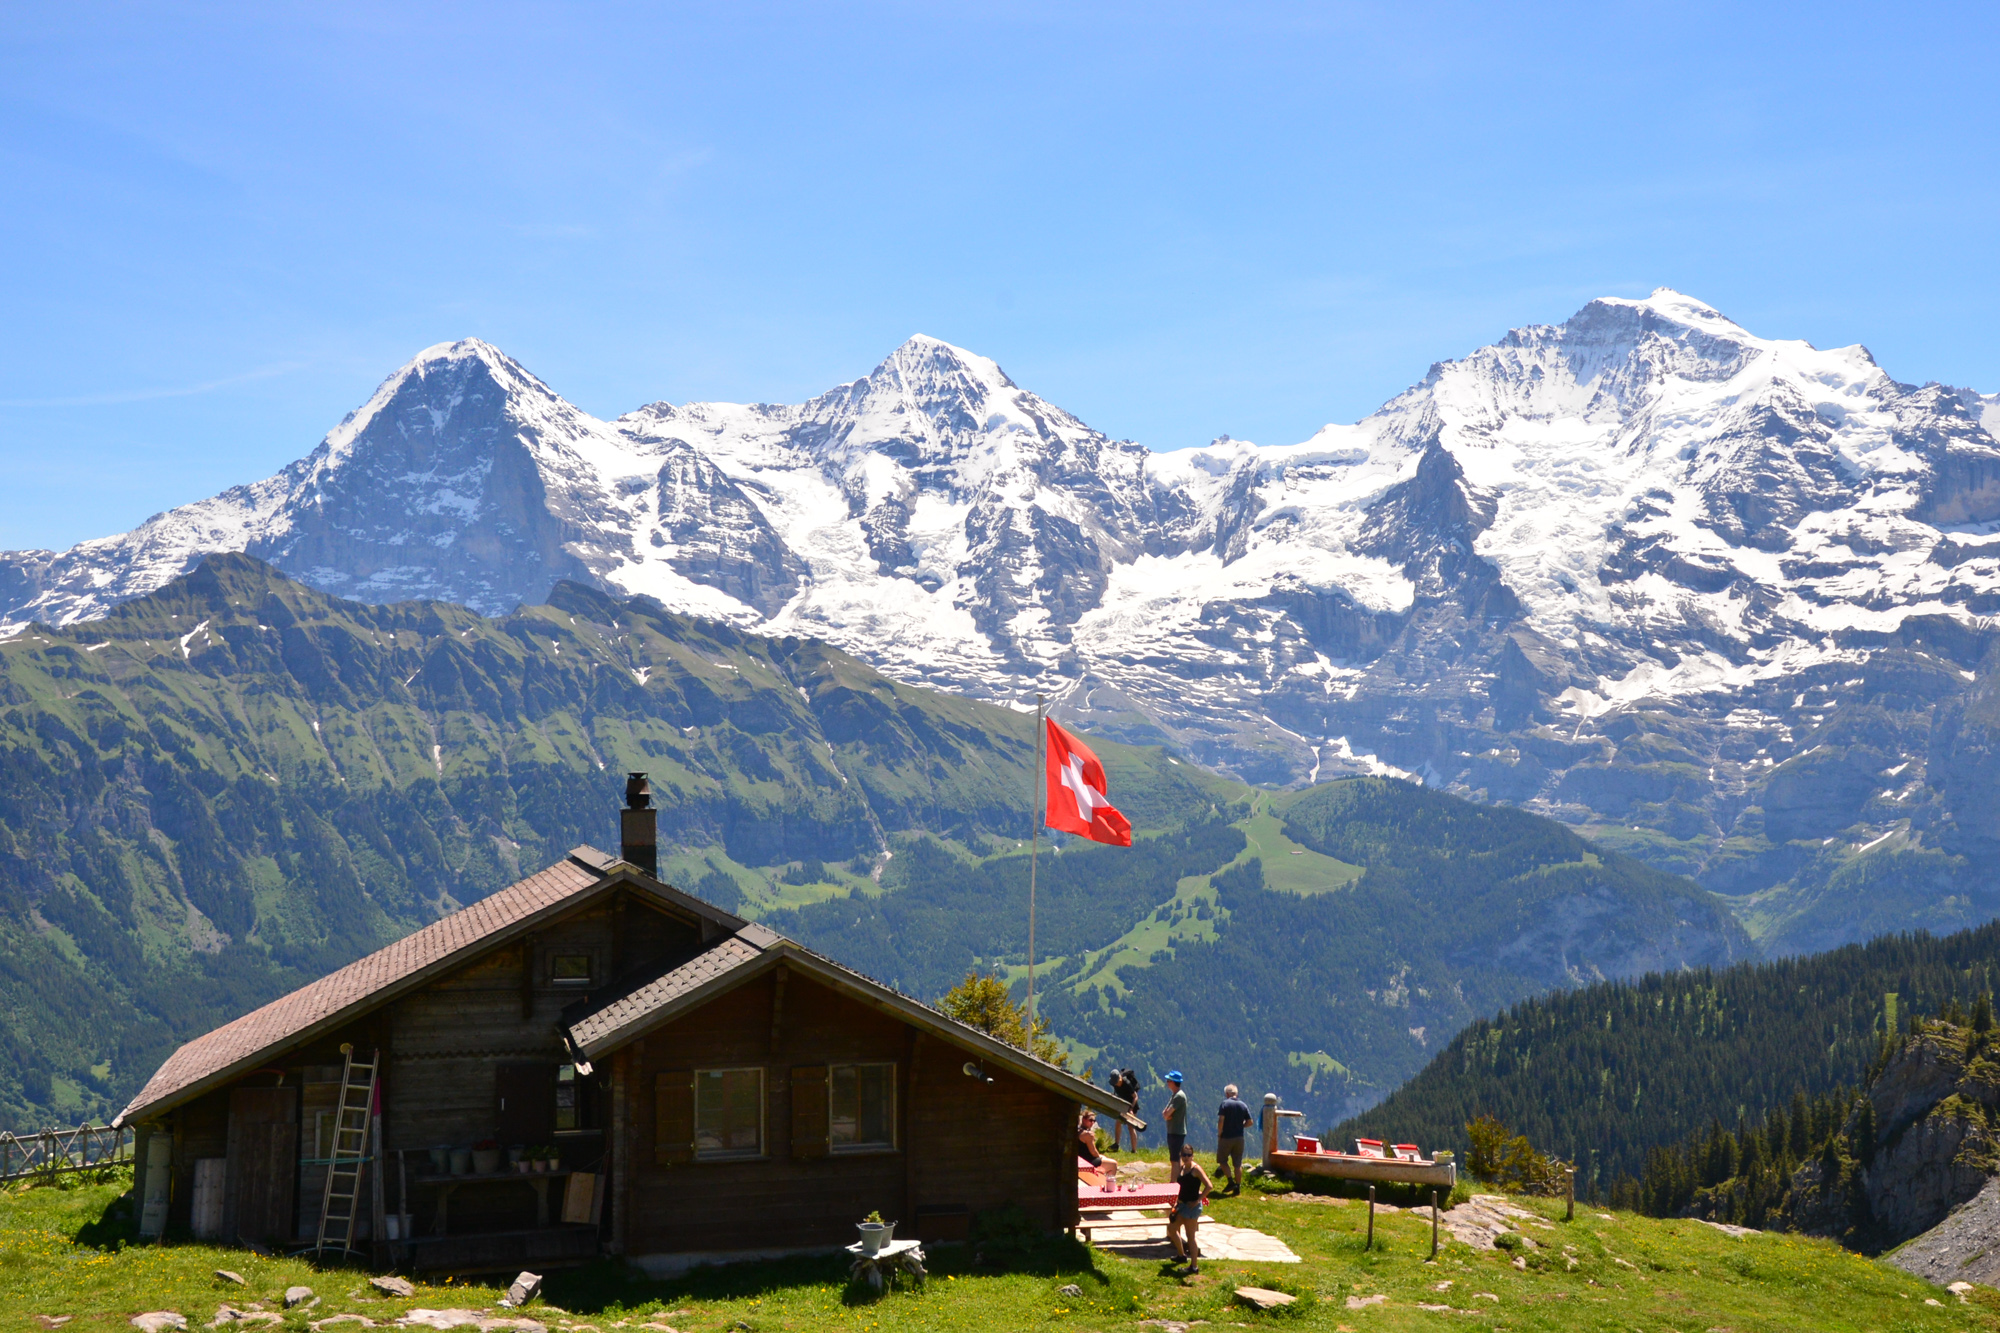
x=263 y=1163
x=526 y=1110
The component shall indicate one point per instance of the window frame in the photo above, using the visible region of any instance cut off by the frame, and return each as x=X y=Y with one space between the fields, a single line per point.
x=763 y=1148
x=894 y=1142
x=584 y=982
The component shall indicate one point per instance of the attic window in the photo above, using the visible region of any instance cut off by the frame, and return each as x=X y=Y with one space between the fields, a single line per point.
x=570 y=969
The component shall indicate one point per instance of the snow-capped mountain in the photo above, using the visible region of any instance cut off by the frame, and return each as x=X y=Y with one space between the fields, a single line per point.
x=1621 y=568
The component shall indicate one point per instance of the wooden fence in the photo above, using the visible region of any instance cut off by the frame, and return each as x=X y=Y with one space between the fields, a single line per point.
x=54 y=1151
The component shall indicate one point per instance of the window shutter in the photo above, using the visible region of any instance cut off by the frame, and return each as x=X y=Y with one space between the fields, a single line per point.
x=809 y=1113
x=673 y=1117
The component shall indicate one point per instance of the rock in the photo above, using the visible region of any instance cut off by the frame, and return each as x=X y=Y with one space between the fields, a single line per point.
x=1434 y=1309
x=1263 y=1298
x=297 y=1296
x=1728 y=1229
x=158 y=1321
x=225 y=1275
x=517 y=1325
x=442 y=1319
x=1960 y=1290
x=333 y=1320
x=1070 y=1291
x=1485 y=1296
x=1363 y=1302
x=53 y=1320
x=1965 y=1246
x=392 y=1286
x=1932 y=1300
x=525 y=1288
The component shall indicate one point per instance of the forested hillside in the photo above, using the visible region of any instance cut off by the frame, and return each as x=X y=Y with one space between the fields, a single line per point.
x=1605 y=1073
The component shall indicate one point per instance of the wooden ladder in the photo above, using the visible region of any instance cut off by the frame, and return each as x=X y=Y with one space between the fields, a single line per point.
x=340 y=1206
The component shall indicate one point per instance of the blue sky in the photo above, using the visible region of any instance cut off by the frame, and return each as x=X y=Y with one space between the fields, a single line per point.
x=224 y=224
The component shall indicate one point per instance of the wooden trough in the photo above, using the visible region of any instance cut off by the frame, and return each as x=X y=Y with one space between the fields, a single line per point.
x=1375 y=1170
x=1371 y=1168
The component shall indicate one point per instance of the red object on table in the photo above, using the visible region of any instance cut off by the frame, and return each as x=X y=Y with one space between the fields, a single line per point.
x=1308 y=1144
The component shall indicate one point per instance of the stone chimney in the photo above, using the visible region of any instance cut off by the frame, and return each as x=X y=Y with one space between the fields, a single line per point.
x=639 y=826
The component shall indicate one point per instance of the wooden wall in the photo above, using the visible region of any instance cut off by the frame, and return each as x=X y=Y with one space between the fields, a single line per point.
x=961 y=1144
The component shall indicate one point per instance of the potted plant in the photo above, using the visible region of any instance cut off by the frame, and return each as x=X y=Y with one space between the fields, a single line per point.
x=546 y=1159
x=875 y=1233
x=486 y=1157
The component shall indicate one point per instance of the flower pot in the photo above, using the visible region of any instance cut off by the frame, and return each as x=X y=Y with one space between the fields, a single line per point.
x=485 y=1161
x=461 y=1161
x=551 y=1164
x=440 y=1159
x=521 y=1167
x=874 y=1235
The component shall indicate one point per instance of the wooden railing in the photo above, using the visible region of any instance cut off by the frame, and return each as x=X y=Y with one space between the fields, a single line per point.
x=54 y=1151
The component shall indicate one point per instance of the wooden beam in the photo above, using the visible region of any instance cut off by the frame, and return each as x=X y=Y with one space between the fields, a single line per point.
x=778 y=1006
x=621 y=1150
x=527 y=977
x=906 y=1111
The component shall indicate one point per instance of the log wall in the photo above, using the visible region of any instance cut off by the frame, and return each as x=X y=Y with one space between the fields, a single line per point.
x=962 y=1144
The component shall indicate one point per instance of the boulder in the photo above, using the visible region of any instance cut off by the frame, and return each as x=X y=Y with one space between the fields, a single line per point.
x=392 y=1286
x=159 y=1321
x=297 y=1296
x=1263 y=1298
x=1070 y=1292
x=224 y=1275
x=525 y=1288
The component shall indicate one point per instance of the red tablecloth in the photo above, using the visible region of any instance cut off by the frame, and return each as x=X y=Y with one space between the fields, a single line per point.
x=1146 y=1196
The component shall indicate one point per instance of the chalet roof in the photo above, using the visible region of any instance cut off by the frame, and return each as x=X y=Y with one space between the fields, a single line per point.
x=756 y=949
x=340 y=997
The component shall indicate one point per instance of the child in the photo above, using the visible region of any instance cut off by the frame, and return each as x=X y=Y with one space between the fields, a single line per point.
x=1195 y=1186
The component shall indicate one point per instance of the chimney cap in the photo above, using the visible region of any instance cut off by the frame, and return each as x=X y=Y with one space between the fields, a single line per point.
x=638 y=792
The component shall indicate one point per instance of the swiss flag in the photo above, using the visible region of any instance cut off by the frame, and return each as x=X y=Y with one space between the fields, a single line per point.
x=1077 y=803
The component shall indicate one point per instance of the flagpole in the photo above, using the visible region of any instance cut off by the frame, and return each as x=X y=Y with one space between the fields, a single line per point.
x=1034 y=855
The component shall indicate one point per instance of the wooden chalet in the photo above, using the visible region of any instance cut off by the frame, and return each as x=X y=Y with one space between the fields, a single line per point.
x=704 y=1087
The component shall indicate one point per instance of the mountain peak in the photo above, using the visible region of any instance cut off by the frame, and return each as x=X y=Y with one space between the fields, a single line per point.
x=923 y=360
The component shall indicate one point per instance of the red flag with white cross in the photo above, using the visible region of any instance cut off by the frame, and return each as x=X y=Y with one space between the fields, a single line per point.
x=1076 y=799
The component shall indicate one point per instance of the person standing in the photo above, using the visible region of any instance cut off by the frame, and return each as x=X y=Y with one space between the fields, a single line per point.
x=1125 y=1086
x=1175 y=1114
x=1194 y=1186
x=1232 y=1120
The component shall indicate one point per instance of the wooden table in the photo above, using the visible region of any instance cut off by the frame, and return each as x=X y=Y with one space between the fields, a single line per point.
x=898 y=1256
x=448 y=1185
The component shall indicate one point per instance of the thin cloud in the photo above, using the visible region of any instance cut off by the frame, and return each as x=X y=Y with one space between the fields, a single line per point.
x=148 y=395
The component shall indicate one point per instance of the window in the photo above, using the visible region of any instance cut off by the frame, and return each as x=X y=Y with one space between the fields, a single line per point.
x=862 y=1106
x=728 y=1113
x=570 y=969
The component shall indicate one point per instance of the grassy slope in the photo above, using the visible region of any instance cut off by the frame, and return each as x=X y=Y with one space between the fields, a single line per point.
x=59 y=1257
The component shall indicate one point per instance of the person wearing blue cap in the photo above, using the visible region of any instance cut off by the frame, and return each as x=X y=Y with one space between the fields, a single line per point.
x=1175 y=1114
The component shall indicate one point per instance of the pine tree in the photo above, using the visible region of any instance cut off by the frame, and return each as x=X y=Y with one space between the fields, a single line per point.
x=1864 y=1131
x=1982 y=1013
x=1801 y=1128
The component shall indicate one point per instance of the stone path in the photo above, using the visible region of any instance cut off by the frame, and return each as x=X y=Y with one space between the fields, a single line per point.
x=1144 y=1237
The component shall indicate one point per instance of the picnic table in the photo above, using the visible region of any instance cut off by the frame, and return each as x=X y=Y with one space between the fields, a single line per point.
x=881 y=1267
x=1095 y=1204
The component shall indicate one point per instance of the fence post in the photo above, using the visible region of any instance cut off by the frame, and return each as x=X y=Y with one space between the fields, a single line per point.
x=1434 y=1224
x=1371 y=1217
x=1569 y=1211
